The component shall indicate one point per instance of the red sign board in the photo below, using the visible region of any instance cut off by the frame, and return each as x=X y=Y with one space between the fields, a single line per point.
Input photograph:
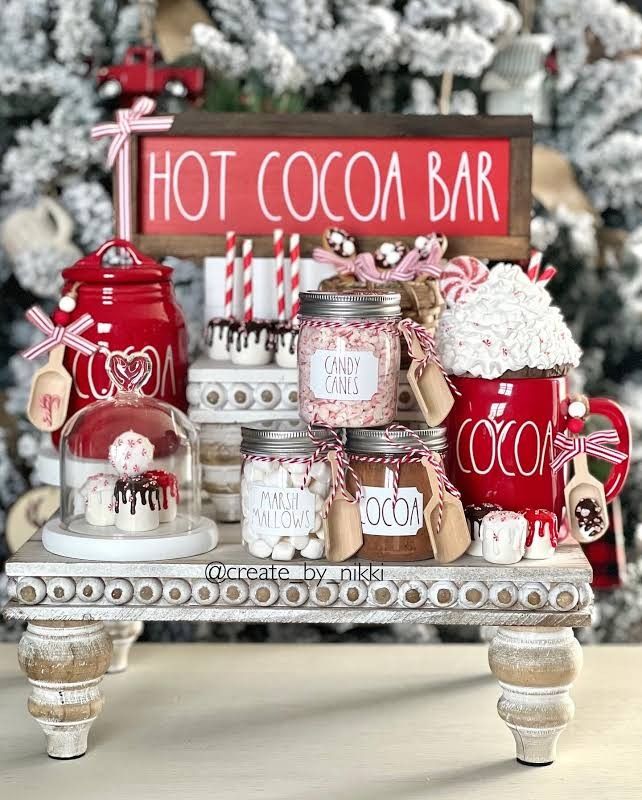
x=378 y=176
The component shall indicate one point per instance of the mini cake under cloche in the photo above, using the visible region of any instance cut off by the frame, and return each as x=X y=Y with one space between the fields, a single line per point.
x=130 y=477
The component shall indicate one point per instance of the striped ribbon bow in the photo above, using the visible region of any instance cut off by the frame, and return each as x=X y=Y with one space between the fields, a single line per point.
x=595 y=444
x=333 y=441
x=128 y=120
x=59 y=334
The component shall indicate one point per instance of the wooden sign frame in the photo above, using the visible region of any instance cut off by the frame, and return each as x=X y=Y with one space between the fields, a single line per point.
x=516 y=129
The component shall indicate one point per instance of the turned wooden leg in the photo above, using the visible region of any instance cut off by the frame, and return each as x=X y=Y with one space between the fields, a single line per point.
x=65 y=662
x=535 y=668
x=122 y=635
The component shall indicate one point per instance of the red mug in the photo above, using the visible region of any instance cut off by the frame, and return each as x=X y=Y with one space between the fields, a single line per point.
x=501 y=434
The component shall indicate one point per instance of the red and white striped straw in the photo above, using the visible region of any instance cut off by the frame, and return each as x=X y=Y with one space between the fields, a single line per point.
x=295 y=266
x=279 y=258
x=230 y=259
x=247 y=280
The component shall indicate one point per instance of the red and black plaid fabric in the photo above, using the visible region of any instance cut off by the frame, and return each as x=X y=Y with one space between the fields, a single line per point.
x=607 y=555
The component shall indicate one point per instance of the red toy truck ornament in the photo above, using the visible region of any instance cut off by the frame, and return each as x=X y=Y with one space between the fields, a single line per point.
x=144 y=73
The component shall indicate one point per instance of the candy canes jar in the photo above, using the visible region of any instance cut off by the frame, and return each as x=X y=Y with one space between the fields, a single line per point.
x=348 y=355
x=283 y=491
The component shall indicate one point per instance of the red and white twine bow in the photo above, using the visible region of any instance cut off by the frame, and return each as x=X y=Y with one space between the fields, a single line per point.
x=413 y=265
x=128 y=120
x=595 y=444
x=68 y=335
x=408 y=328
x=333 y=441
x=421 y=450
x=535 y=272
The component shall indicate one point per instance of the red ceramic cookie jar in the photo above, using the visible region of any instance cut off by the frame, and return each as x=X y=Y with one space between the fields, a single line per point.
x=134 y=308
x=501 y=435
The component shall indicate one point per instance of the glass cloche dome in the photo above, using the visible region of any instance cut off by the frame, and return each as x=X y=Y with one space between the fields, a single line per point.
x=129 y=477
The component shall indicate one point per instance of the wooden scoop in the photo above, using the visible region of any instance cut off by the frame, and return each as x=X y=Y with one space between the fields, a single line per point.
x=49 y=395
x=453 y=538
x=431 y=390
x=583 y=486
x=342 y=525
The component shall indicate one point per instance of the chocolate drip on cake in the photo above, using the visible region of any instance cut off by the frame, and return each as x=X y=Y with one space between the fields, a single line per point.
x=129 y=490
x=477 y=512
x=166 y=481
x=219 y=326
x=246 y=331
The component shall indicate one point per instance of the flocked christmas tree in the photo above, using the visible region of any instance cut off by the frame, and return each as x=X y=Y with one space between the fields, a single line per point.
x=415 y=56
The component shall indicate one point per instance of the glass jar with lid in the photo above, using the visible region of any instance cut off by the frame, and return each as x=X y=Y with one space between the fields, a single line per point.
x=348 y=357
x=283 y=490
x=394 y=488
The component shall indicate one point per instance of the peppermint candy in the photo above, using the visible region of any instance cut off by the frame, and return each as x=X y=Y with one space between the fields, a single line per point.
x=460 y=276
x=131 y=453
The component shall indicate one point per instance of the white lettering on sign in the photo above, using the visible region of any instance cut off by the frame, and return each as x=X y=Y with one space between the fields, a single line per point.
x=382 y=516
x=445 y=203
x=483 y=445
x=342 y=374
x=280 y=512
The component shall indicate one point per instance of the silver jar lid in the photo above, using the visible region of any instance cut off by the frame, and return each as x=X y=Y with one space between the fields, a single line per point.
x=279 y=437
x=376 y=441
x=352 y=305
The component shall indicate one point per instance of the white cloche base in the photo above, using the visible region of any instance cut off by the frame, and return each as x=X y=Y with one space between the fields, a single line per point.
x=168 y=541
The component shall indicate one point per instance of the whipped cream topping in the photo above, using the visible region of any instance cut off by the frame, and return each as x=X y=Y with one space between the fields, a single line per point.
x=506 y=324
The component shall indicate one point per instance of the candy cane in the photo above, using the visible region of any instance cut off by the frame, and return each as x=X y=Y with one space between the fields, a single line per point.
x=295 y=266
x=248 y=312
x=277 y=238
x=230 y=259
x=535 y=272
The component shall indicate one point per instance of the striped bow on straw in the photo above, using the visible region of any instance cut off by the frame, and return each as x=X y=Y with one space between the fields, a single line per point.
x=333 y=442
x=59 y=334
x=595 y=444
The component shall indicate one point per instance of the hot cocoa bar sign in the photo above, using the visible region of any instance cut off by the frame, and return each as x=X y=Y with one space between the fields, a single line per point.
x=378 y=176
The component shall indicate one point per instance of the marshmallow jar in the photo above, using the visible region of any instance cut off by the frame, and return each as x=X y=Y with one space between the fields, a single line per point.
x=348 y=358
x=251 y=343
x=97 y=495
x=281 y=518
x=542 y=535
x=503 y=537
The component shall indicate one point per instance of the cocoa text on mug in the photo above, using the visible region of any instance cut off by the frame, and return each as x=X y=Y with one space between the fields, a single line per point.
x=515 y=448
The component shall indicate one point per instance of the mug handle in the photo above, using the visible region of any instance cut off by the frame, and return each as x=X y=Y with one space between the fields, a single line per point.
x=604 y=407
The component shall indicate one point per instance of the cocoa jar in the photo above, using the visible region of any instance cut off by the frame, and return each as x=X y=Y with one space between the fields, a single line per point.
x=394 y=489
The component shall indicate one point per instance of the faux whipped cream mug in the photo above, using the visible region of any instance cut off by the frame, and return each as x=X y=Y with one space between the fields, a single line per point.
x=501 y=435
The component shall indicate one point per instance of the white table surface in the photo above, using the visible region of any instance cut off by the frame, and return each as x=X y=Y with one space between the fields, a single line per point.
x=324 y=722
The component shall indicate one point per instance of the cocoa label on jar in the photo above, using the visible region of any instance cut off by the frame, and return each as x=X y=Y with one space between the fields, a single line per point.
x=382 y=516
x=275 y=511
x=342 y=374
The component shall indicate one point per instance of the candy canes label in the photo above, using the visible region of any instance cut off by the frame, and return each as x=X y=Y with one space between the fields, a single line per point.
x=382 y=516
x=342 y=374
x=275 y=511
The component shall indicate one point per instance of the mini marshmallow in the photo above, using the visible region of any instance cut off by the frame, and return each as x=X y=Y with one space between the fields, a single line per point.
x=251 y=350
x=97 y=495
x=283 y=551
x=314 y=549
x=260 y=549
x=320 y=471
x=503 y=537
x=218 y=349
x=144 y=518
x=299 y=542
x=285 y=353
